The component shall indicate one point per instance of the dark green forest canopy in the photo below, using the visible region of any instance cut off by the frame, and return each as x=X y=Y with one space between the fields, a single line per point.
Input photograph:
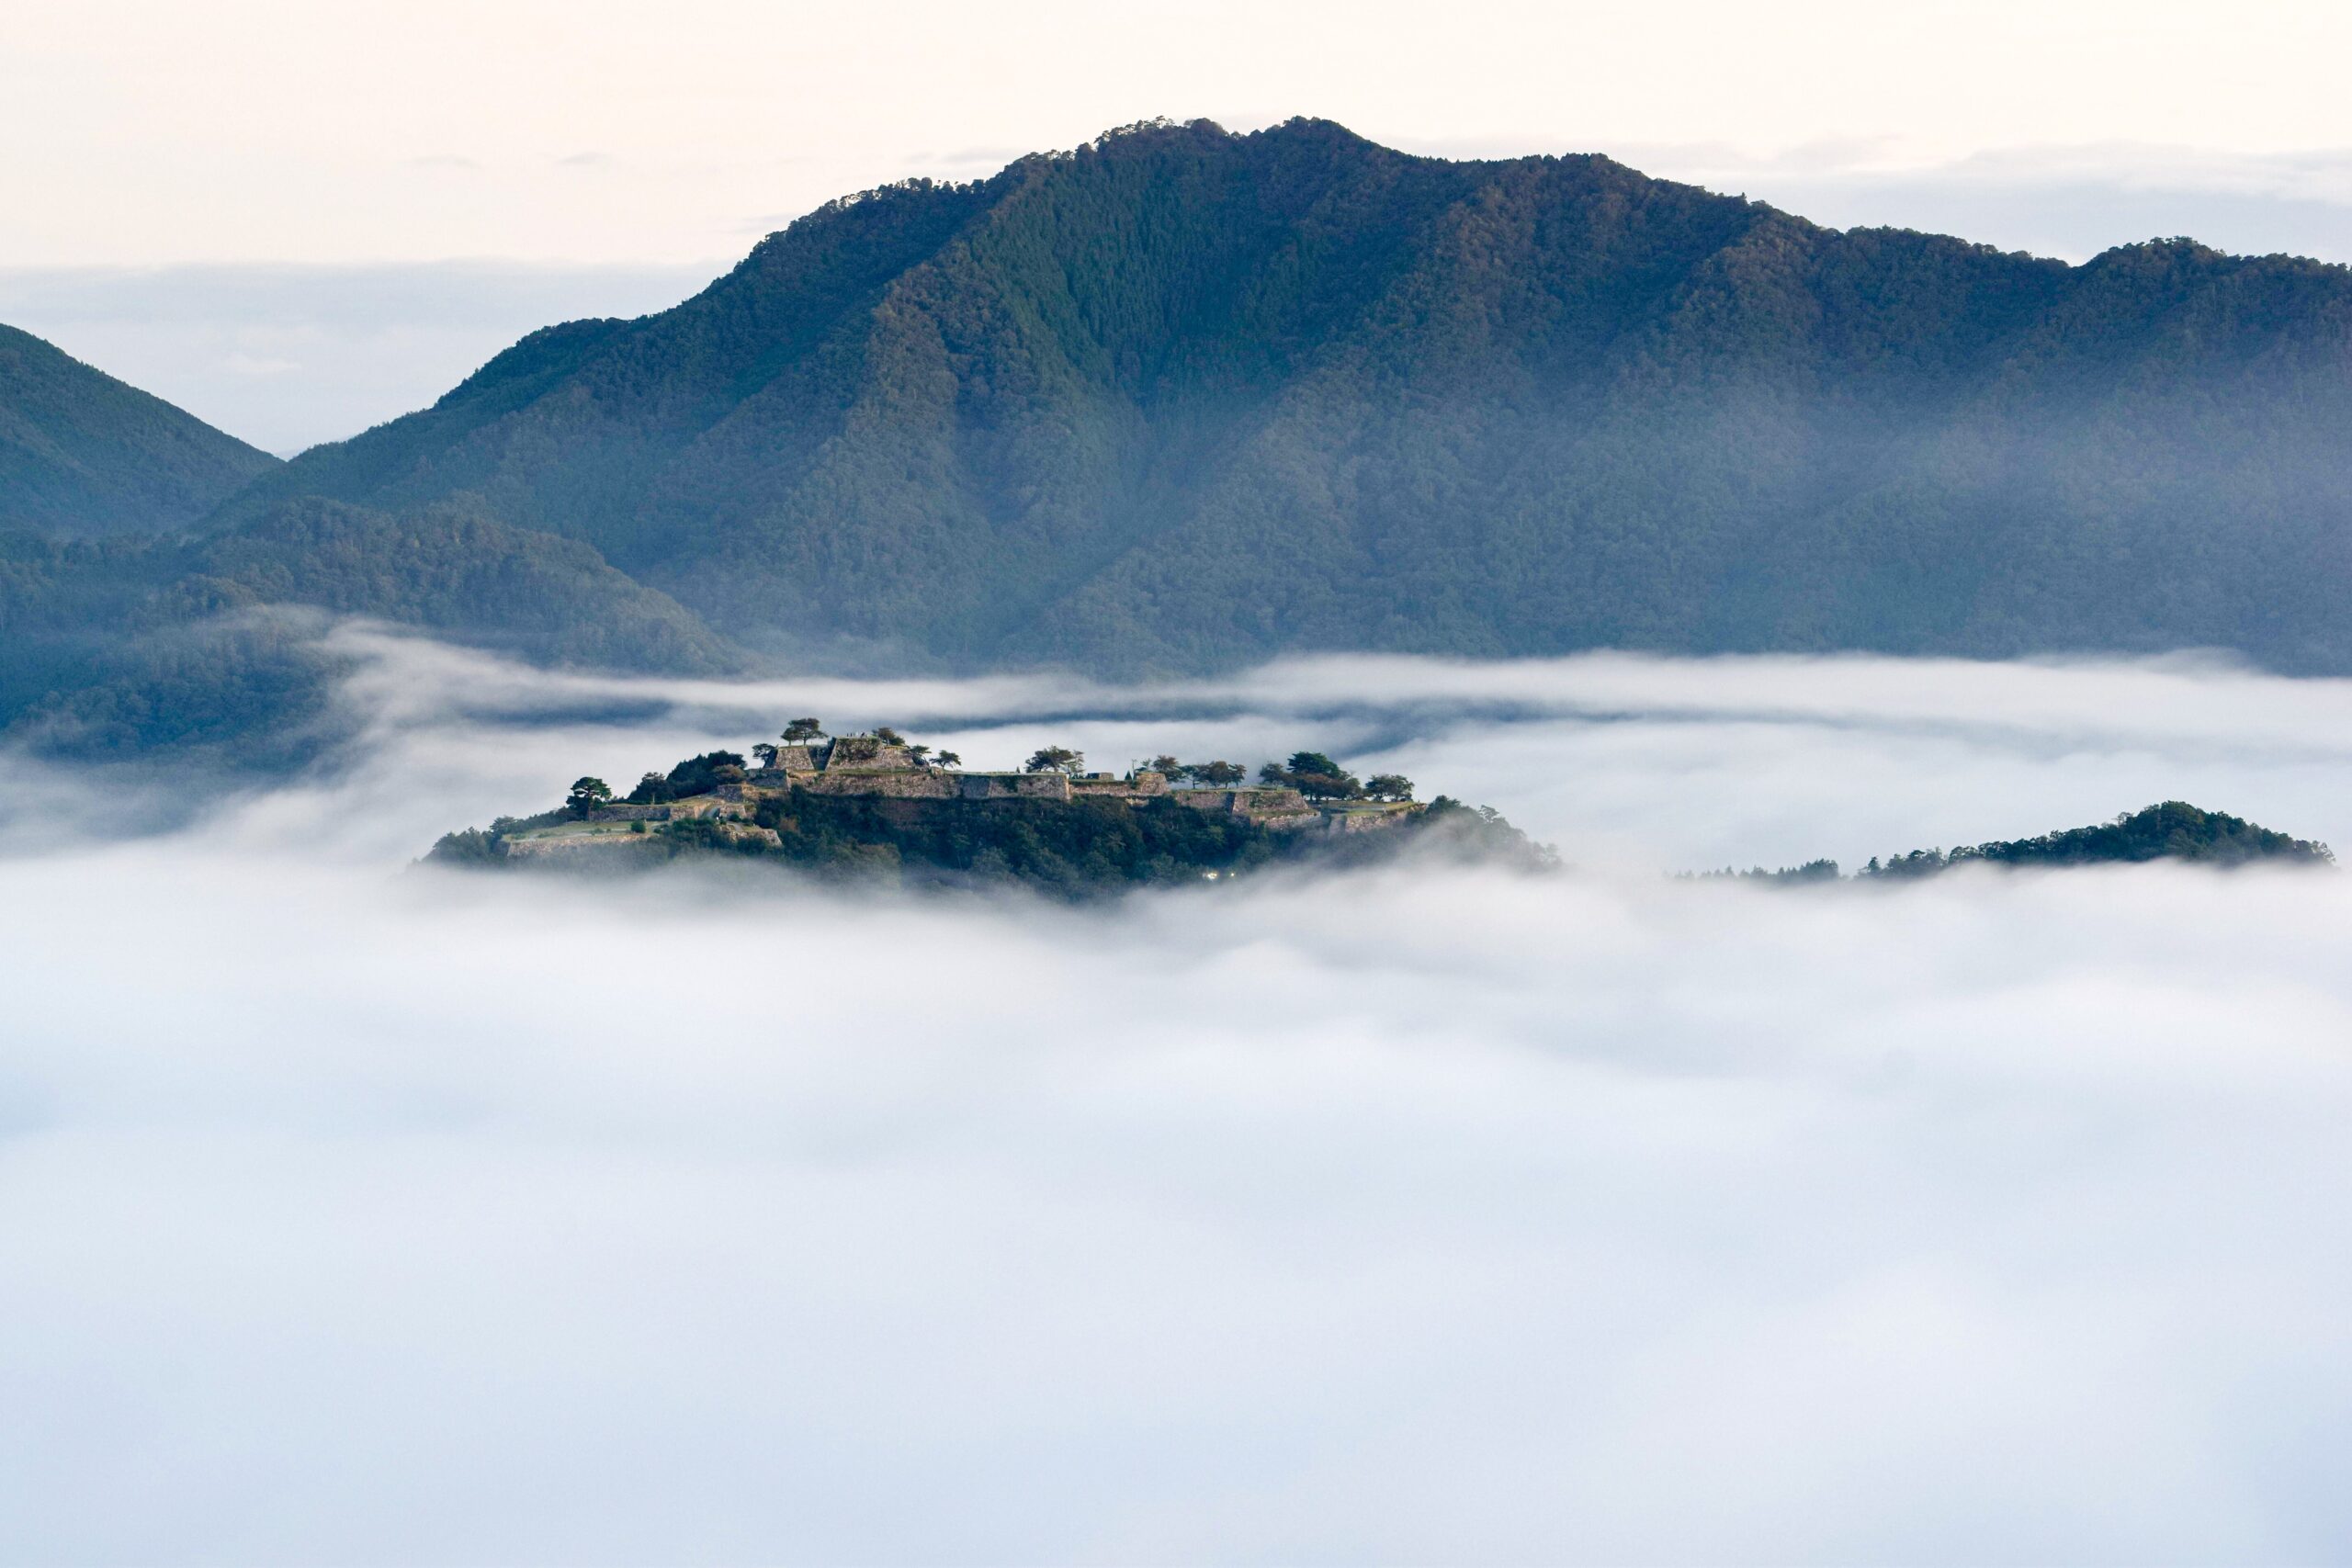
x=2171 y=829
x=118 y=646
x=2168 y=831
x=83 y=455
x=1182 y=399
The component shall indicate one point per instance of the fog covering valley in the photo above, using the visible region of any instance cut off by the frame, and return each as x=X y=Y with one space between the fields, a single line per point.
x=360 y=1212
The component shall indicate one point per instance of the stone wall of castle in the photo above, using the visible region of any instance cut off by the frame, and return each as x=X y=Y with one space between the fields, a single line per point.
x=1142 y=786
x=1012 y=787
x=864 y=754
x=1364 y=821
x=739 y=804
x=575 y=847
x=1267 y=806
x=920 y=784
x=905 y=783
x=624 y=811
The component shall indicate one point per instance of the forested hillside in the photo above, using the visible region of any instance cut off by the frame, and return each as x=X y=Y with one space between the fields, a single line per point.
x=115 y=646
x=81 y=453
x=1183 y=398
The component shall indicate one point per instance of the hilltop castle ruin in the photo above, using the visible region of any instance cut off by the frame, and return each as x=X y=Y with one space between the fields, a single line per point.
x=871 y=765
x=883 y=767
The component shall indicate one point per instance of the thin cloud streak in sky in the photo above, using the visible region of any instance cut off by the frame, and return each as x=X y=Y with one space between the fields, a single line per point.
x=388 y=1216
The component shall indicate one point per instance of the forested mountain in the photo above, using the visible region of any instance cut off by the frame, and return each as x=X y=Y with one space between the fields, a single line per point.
x=115 y=646
x=81 y=453
x=1183 y=398
x=2168 y=831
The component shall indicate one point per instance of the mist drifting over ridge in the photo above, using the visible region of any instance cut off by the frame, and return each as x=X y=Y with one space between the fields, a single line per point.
x=394 y=1216
x=1179 y=401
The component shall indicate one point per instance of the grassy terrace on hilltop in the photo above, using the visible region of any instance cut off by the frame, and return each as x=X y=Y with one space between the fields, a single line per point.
x=877 y=804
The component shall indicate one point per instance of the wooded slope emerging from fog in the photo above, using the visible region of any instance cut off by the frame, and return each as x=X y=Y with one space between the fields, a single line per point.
x=83 y=453
x=1184 y=398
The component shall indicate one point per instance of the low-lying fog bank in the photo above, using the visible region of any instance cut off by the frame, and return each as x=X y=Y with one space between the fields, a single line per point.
x=349 y=1213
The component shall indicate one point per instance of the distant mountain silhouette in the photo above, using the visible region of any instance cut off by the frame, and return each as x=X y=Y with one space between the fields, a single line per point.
x=1183 y=398
x=83 y=453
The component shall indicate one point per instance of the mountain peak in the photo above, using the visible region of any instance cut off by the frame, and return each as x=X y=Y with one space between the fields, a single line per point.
x=82 y=453
x=1182 y=397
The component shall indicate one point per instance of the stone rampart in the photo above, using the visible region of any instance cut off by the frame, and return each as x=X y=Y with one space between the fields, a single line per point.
x=1144 y=786
x=792 y=764
x=1373 y=820
x=912 y=784
x=711 y=806
x=1268 y=806
x=626 y=811
x=1012 y=787
x=580 y=846
x=740 y=833
x=864 y=754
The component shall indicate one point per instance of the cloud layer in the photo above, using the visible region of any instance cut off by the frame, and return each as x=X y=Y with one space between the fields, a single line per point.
x=371 y=1215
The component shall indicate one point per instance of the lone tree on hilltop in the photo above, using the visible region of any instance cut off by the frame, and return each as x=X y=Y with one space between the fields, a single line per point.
x=919 y=752
x=1388 y=786
x=887 y=736
x=587 y=793
x=700 y=775
x=948 y=759
x=1314 y=775
x=1054 y=759
x=800 y=730
x=1216 y=775
x=1167 y=766
x=765 y=753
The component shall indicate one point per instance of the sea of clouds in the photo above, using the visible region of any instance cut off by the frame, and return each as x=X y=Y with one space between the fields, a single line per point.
x=358 y=1213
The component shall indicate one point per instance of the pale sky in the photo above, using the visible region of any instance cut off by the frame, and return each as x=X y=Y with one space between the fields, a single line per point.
x=636 y=140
